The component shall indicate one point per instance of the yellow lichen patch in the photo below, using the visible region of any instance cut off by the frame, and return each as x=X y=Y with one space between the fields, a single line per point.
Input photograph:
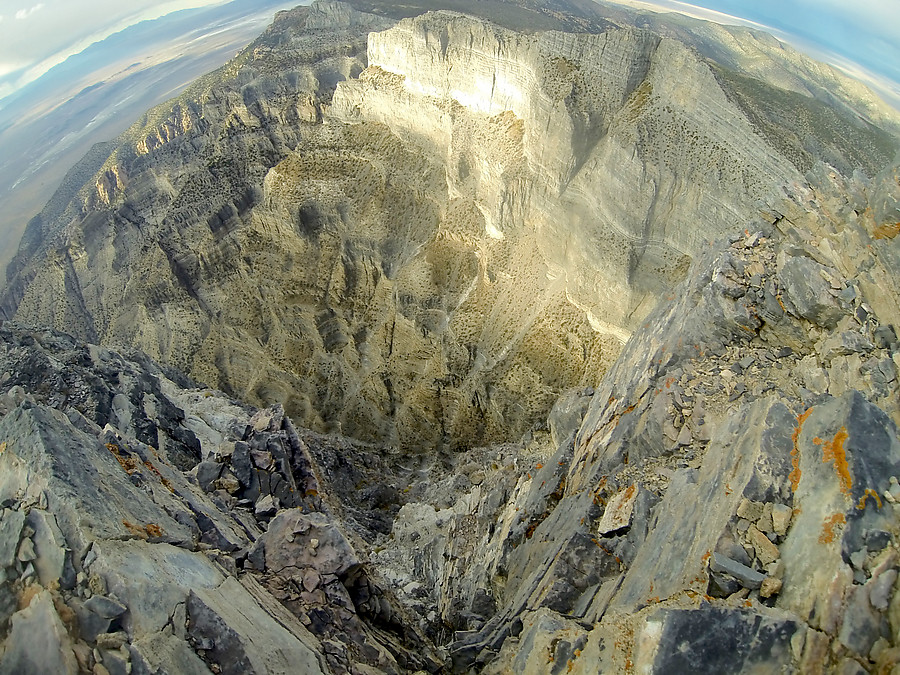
x=136 y=530
x=153 y=530
x=794 y=475
x=833 y=451
x=828 y=526
x=3 y=446
x=868 y=493
x=128 y=463
x=887 y=231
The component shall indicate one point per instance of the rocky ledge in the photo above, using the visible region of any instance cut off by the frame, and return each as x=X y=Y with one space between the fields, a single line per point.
x=153 y=528
x=725 y=499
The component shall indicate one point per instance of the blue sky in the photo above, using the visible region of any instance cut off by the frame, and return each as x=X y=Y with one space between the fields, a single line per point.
x=860 y=36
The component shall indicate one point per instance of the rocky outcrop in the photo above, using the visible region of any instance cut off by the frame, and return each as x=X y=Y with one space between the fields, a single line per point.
x=416 y=233
x=133 y=557
x=725 y=498
x=728 y=499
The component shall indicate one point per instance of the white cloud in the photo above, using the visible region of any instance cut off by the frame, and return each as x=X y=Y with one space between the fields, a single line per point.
x=25 y=13
x=695 y=11
x=883 y=14
x=7 y=67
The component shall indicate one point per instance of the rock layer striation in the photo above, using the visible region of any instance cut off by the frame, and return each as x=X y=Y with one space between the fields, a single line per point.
x=420 y=235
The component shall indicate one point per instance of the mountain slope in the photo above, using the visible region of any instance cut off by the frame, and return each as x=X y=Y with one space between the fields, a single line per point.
x=612 y=353
x=423 y=244
x=725 y=499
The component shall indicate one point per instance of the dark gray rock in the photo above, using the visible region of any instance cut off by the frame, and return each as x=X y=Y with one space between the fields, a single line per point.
x=90 y=624
x=885 y=337
x=748 y=577
x=861 y=623
x=11 y=524
x=242 y=464
x=8 y=604
x=240 y=637
x=877 y=539
x=566 y=415
x=105 y=607
x=207 y=472
x=806 y=291
x=722 y=585
x=715 y=640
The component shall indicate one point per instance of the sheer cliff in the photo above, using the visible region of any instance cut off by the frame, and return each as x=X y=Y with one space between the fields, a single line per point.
x=419 y=235
x=562 y=342
x=725 y=499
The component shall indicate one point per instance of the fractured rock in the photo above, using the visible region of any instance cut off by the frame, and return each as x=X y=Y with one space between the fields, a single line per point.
x=240 y=637
x=714 y=641
x=38 y=641
x=748 y=577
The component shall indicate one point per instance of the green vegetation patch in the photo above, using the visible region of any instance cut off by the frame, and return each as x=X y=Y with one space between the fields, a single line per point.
x=805 y=130
x=523 y=15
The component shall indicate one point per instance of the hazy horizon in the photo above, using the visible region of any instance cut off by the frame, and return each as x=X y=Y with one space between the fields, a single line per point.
x=862 y=40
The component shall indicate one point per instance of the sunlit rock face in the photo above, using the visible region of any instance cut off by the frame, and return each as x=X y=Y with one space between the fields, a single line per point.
x=631 y=157
x=416 y=233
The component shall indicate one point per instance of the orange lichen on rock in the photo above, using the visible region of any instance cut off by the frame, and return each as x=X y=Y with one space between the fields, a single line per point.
x=165 y=481
x=128 y=463
x=794 y=475
x=828 y=526
x=153 y=530
x=833 y=451
x=145 y=532
x=887 y=231
x=868 y=493
x=136 y=530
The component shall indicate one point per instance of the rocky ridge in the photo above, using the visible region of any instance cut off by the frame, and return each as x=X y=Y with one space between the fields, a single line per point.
x=134 y=510
x=548 y=186
x=726 y=497
x=732 y=483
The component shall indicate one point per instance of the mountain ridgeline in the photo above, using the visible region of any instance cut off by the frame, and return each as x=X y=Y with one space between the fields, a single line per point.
x=464 y=337
x=419 y=235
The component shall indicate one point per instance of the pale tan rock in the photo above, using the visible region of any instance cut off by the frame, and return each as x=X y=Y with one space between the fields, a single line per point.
x=618 y=511
x=750 y=510
x=815 y=652
x=766 y=551
x=781 y=518
x=770 y=586
x=776 y=569
x=764 y=522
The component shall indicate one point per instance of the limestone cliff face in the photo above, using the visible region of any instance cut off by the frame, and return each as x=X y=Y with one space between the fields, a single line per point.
x=418 y=233
x=632 y=158
x=724 y=500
